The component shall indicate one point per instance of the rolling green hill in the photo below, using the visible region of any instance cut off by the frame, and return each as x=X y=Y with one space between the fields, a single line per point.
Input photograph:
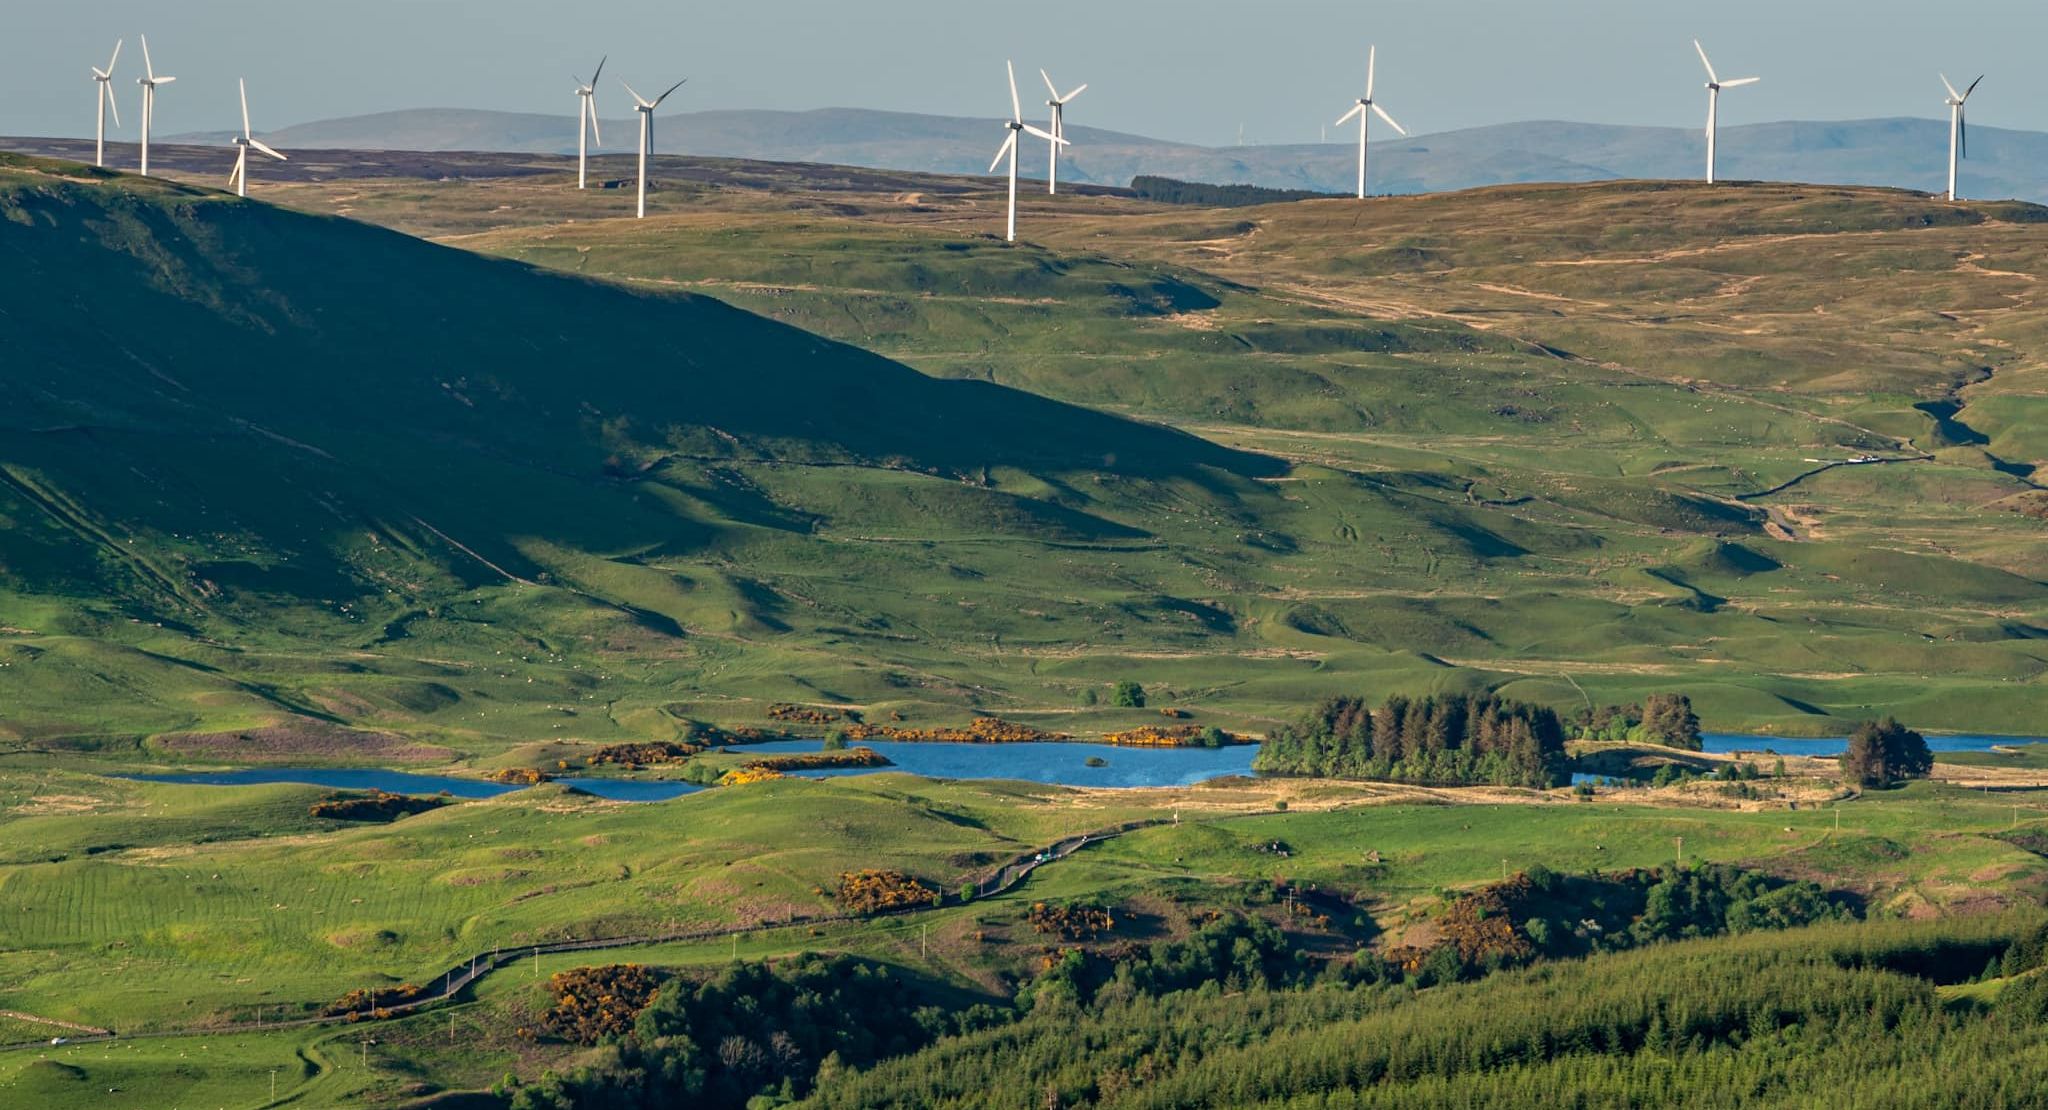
x=264 y=467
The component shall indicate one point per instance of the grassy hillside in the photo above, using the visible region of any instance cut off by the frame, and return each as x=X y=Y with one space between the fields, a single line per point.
x=153 y=908
x=272 y=467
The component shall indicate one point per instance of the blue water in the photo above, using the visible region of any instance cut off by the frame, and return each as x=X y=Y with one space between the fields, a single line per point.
x=1724 y=742
x=405 y=782
x=1058 y=763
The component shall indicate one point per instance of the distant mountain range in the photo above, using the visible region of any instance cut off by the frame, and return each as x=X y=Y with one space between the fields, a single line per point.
x=1910 y=153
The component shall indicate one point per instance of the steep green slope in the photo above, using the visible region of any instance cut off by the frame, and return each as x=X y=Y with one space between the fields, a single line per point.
x=258 y=462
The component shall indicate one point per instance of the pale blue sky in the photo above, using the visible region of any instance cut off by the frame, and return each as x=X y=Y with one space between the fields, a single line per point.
x=1180 y=69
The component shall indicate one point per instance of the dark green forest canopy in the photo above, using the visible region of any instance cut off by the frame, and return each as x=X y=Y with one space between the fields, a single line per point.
x=1434 y=740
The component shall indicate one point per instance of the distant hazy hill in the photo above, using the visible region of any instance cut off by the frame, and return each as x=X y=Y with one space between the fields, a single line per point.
x=1910 y=153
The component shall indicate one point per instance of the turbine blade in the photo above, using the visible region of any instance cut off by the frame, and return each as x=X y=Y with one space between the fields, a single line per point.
x=116 y=57
x=637 y=98
x=258 y=144
x=1382 y=113
x=1962 y=133
x=1952 y=93
x=1703 y=61
x=1371 y=64
x=244 y=87
x=1002 y=152
x=1016 y=106
x=671 y=89
x=1049 y=86
x=590 y=105
x=1047 y=135
x=600 y=70
x=1739 y=82
x=1078 y=90
x=148 y=68
x=165 y=80
x=113 y=104
x=241 y=159
x=1973 y=87
x=1346 y=117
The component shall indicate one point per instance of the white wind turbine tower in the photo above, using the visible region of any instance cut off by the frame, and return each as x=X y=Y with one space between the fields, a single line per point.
x=1017 y=126
x=149 y=81
x=240 y=178
x=586 y=121
x=1360 y=110
x=1958 y=131
x=646 y=108
x=1714 y=87
x=104 y=80
x=1058 y=104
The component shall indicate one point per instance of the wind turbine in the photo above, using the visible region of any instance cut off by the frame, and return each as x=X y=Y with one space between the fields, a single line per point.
x=240 y=178
x=104 y=80
x=1360 y=110
x=646 y=108
x=149 y=81
x=1714 y=87
x=1958 y=131
x=1017 y=126
x=586 y=121
x=1058 y=104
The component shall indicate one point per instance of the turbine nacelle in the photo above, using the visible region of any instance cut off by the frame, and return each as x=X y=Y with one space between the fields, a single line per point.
x=1957 y=99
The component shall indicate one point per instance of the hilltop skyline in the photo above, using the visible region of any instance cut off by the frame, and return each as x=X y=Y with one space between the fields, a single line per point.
x=1189 y=72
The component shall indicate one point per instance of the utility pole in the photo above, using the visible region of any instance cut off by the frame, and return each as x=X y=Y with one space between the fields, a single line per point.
x=1681 y=850
x=922 y=929
x=273 y=1084
x=1503 y=871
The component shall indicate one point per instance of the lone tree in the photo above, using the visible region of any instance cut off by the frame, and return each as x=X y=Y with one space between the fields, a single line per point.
x=1129 y=695
x=1885 y=752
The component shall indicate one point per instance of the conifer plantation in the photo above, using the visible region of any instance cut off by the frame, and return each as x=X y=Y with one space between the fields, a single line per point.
x=1430 y=741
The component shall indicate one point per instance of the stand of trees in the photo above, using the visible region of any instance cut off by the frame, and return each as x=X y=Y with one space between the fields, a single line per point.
x=1433 y=740
x=1836 y=1015
x=1665 y=719
x=1167 y=190
x=1239 y=1012
x=753 y=1031
x=1884 y=753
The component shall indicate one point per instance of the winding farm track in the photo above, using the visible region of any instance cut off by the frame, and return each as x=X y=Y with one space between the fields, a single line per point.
x=458 y=978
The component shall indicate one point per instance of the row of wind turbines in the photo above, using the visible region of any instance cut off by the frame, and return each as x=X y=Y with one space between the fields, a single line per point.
x=1055 y=137
x=587 y=132
x=1958 y=133
x=1366 y=107
x=150 y=81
